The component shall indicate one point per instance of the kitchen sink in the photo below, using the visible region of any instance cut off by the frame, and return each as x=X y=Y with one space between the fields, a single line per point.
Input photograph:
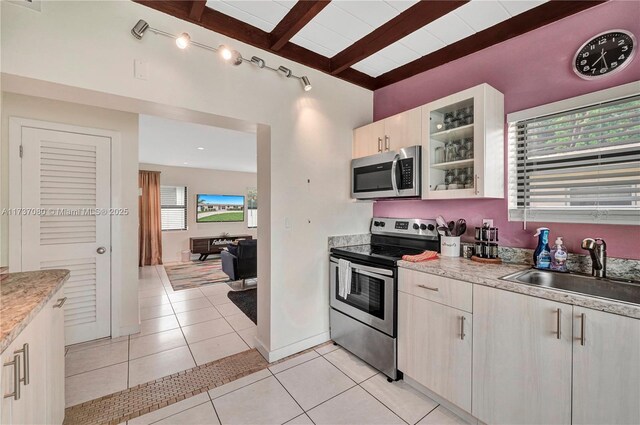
x=612 y=289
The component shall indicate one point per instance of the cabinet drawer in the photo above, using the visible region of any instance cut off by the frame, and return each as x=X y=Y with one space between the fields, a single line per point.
x=451 y=292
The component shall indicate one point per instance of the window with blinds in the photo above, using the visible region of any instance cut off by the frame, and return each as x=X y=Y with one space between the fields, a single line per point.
x=173 y=207
x=580 y=165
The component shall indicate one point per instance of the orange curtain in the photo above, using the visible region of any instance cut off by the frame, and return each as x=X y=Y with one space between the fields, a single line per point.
x=150 y=227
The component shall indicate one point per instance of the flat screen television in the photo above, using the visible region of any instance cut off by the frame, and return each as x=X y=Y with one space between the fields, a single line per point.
x=219 y=208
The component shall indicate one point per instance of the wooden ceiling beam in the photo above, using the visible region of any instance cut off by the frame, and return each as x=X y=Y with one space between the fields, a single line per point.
x=530 y=20
x=299 y=16
x=197 y=7
x=243 y=32
x=407 y=22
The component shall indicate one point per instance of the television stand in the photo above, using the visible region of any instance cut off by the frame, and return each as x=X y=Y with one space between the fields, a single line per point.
x=208 y=245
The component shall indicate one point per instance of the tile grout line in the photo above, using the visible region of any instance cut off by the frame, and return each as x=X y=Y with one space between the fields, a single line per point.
x=430 y=412
x=177 y=413
x=290 y=395
x=381 y=402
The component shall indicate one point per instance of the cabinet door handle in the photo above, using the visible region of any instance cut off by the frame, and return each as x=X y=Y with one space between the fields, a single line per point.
x=61 y=302
x=16 y=377
x=429 y=288
x=387 y=143
x=379 y=144
x=476 y=189
x=25 y=365
x=462 y=334
x=583 y=319
x=559 y=323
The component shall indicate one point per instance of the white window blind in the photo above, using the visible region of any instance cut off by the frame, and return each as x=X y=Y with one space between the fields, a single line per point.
x=173 y=207
x=581 y=165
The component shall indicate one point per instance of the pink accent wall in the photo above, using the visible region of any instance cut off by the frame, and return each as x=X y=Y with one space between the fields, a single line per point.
x=531 y=70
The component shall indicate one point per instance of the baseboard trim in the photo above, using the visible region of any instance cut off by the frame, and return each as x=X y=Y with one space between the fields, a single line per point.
x=127 y=330
x=466 y=416
x=288 y=350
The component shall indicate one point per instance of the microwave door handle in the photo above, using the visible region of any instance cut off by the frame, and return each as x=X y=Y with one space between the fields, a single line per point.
x=394 y=167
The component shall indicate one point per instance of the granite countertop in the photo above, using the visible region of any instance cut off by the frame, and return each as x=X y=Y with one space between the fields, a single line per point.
x=22 y=296
x=490 y=274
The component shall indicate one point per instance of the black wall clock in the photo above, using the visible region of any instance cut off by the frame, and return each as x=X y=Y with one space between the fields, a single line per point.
x=605 y=54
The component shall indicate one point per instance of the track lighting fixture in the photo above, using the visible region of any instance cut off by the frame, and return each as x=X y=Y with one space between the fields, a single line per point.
x=229 y=55
x=285 y=71
x=183 y=41
x=225 y=52
x=306 y=84
x=139 y=28
x=257 y=62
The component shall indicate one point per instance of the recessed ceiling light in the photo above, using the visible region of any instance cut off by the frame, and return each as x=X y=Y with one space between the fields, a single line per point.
x=200 y=148
x=185 y=163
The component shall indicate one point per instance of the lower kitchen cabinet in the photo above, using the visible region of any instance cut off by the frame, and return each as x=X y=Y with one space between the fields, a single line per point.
x=521 y=358
x=434 y=347
x=38 y=351
x=606 y=368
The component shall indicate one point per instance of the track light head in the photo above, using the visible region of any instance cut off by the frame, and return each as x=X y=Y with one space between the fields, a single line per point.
x=225 y=52
x=285 y=71
x=183 y=40
x=257 y=62
x=229 y=55
x=139 y=28
x=306 y=84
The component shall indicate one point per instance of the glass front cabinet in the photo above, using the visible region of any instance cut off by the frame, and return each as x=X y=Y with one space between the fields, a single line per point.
x=463 y=145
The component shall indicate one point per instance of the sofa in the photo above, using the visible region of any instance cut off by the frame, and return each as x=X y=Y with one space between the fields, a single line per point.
x=240 y=262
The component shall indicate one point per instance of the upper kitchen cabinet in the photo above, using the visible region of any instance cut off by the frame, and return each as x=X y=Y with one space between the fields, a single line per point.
x=463 y=145
x=390 y=134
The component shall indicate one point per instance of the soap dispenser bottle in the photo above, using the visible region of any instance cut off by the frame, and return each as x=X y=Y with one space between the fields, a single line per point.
x=542 y=254
x=559 y=256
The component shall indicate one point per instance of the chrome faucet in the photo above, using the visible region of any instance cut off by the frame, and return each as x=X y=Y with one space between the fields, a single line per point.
x=598 y=250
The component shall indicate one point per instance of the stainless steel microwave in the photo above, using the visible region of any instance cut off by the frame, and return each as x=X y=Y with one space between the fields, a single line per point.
x=387 y=175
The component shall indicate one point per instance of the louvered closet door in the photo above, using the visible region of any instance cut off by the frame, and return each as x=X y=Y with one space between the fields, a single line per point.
x=67 y=175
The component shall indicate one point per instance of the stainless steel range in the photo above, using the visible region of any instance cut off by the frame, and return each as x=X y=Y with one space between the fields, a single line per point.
x=364 y=309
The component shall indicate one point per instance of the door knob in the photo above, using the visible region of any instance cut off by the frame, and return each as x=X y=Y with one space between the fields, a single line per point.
x=101 y=250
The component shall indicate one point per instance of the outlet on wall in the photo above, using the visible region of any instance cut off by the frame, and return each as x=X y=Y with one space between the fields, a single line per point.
x=140 y=69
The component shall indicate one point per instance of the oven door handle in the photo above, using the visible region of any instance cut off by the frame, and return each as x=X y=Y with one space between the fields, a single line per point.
x=394 y=167
x=371 y=271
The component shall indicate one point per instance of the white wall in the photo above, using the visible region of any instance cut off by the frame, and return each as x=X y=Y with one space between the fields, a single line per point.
x=199 y=180
x=88 y=45
x=14 y=105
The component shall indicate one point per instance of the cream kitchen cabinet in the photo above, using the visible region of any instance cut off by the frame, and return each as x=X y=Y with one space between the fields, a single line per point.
x=521 y=358
x=37 y=384
x=396 y=132
x=434 y=338
x=463 y=145
x=606 y=368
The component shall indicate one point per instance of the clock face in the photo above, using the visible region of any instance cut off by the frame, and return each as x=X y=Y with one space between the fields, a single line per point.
x=605 y=54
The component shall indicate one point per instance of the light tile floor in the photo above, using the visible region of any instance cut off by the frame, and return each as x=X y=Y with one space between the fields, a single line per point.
x=179 y=330
x=325 y=386
x=185 y=328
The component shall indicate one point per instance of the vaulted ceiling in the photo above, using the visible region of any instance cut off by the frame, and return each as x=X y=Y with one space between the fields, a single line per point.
x=371 y=43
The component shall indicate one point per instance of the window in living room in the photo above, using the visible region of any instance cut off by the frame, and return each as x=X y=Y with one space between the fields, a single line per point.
x=252 y=207
x=173 y=207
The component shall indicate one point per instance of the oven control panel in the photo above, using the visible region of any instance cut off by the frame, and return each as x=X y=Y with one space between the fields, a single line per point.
x=407 y=227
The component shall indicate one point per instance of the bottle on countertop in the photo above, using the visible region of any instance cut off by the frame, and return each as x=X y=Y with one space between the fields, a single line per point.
x=559 y=256
x=542 y=254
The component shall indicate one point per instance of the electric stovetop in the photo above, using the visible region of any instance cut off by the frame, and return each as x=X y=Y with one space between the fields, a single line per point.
x=391 y=238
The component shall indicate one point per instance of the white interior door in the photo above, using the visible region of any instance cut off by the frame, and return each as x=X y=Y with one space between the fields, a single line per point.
x=66 y=176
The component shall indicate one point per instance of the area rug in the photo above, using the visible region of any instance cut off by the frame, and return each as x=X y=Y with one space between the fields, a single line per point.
x=195 y=274
x=247 y=301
